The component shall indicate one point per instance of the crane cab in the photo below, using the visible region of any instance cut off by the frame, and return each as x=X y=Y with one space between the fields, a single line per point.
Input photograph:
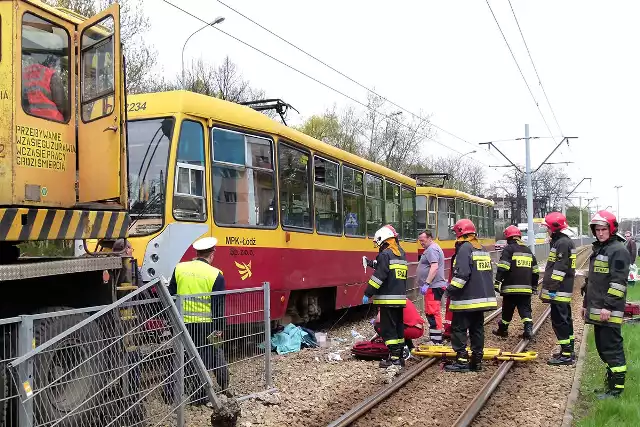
x=62 y=146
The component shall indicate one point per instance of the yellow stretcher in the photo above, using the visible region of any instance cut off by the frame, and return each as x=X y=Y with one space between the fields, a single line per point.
x=489 y=353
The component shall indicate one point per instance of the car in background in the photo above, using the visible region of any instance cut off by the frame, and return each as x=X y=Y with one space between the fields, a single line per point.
x=500 y=244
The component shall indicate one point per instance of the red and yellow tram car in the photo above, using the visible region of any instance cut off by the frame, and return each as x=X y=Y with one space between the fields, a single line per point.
x=286 y=208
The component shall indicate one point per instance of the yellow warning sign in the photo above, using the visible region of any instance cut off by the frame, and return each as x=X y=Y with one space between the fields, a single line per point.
x=27 y=388
x=42 y=149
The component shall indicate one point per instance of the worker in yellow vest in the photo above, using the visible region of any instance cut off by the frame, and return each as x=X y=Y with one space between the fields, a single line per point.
x=203 y=315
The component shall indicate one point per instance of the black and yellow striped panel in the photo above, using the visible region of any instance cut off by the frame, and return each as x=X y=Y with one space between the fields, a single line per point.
x=21 y=224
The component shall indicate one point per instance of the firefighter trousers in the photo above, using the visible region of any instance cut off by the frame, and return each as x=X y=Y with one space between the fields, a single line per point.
x=432 y=308
x=562 y=324
x=521 y=302
x=472 y=321
x=610 y=349
x=392 y=329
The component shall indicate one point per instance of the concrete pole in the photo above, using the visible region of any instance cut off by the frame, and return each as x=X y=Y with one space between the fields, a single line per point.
x=530 y=234
x=580 y=214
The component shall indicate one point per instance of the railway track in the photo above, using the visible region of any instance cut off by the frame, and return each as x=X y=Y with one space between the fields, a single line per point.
x=384 y=401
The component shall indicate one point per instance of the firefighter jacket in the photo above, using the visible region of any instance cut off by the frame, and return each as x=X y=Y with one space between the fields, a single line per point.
x=518 y=270
x=606 y=283
x=559 y=272
x=388 y=284
x=471 y=287
x=198 y=277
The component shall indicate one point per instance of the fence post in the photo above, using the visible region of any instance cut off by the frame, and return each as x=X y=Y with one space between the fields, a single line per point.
x=25 y=345
x=267 y=334
x=190 y=347
x=179 y=391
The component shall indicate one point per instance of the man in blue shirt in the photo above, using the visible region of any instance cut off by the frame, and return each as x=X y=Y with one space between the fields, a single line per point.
x=432 y=284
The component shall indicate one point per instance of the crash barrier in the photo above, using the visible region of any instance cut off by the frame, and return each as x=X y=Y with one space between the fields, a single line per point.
x=134 y=362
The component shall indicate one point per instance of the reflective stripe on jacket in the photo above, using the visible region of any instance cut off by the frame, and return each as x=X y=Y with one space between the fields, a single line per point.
x=471 y=287
x=518 y=270
x=559 y=272
x=196 y=277
x=607 y=282
x=36 y=83
x=388 y=284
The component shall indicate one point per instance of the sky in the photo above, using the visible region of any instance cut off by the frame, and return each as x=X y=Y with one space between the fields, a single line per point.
x=447 y=59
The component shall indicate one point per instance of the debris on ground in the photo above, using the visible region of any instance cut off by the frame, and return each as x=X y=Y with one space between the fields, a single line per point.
x=292 y=338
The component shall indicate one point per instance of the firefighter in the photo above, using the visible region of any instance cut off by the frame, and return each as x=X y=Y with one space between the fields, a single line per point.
x=516 y=280
x=388 y=287
x=471 y=293
x=203 y=316
x=557 y=286
x=605 y=297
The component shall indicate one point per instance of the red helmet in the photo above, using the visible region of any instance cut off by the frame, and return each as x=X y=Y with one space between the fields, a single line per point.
x=605 y=218
x=555 y=221
x=512 y=231
x=464 y=226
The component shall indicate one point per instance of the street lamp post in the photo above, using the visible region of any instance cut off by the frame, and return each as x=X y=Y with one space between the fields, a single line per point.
x=216 y=21
x=617 y=187
x=466 y=154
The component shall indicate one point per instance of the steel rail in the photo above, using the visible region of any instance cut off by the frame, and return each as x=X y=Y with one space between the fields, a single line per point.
x=363 y=407
x=471 y=411
x=478 y=402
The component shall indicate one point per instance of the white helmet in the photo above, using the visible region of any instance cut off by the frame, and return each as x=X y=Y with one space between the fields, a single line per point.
x=383 y=234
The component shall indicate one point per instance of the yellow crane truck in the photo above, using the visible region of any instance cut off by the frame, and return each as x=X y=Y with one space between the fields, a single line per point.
x=63 y=163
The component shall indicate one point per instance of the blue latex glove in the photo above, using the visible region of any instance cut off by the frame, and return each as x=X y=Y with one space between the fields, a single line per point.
x=552 y=294
x=423 y=289
x=365 y=299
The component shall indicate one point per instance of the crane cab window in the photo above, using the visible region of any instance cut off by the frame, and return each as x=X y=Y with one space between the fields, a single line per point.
x=243 y=180
x=98 y=81
x=45 y=69
x=189 y=201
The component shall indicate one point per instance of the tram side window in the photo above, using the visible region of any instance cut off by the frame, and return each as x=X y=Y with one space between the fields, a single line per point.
x=375 y=204
x=243 y=180
x=353 y=202
x=409 y=215
x=326 y=197
x=189 y=200
x=492 y=222
x=433 y=212
x=293 y=170
x=392 y=206
x=444 y=231
x=421 y=212
x=460 y=209
x=45 y=69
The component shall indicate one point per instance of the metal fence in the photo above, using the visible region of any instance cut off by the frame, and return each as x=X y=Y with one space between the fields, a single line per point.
x=138 y=362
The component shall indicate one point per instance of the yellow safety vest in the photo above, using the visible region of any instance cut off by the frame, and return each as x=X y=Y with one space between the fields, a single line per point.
x=196 y=277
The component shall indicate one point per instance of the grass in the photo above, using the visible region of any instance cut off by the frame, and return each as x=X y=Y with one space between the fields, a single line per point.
x=621 y=412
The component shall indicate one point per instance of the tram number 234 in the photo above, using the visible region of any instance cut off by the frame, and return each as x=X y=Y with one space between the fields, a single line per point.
x=137 y=106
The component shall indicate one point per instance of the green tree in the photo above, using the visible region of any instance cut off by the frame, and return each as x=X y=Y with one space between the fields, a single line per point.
x=140 y=56
x=573 y=218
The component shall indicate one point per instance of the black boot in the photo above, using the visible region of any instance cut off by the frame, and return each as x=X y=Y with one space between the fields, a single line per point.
x=502 y=330
x=615 y=386
x=460 y=365
x=564 y=358
x=605 y=385
x=476 y=362
x=528 y=330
